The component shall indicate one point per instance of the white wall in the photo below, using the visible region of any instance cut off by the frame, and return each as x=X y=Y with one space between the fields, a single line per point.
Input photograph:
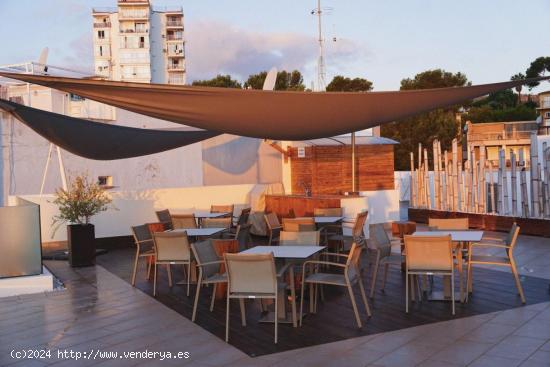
x=138 y=207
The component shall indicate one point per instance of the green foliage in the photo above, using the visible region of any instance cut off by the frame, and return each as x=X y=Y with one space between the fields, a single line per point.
x=537 y=68
x=343 y=84
x=80 y=202
x=499 y=100
x=439 y=124
x=220 y=81
x=285 y=81
x=486 y=113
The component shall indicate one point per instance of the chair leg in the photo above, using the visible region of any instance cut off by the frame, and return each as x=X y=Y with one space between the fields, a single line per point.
x=364 y=295
x=155 y=281
x=311 y=306
x=149 y=266
x=188 y=277
x=197 y=293
x=293 y=297
x=518 y=282
x=169 y=271
x=354 y=305
x=227 y=319
x=468 y=282
x=243 y=313
x=374 y=274
x=407 y=292
x=453 y=291
x=276 y=317
x=316 y=290
x=135 y=269
x=302 y=297
x=213 y=297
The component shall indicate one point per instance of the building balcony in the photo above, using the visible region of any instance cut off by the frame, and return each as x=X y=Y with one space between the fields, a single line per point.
x=169 y=9
x=174 y=37
x=137 y=30
x=135 y=45
x=174 y=24
x=102 y=25
x=104 y=10
x=138 y=15
x=175 y=67
x=176 y=79
x=176 y=53
x=133 y=2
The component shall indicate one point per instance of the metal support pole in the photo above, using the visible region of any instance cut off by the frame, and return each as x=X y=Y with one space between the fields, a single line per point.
x=353 y=184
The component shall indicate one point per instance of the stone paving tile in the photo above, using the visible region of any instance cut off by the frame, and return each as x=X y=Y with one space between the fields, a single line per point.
x=461 y=352
x=515 y=346
x=494 y=361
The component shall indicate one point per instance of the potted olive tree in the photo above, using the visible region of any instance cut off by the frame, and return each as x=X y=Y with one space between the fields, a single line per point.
x=81 y=201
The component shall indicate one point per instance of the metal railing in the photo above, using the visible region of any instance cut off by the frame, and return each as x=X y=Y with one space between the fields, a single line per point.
x=137 y=30
x=102 y=25
x=175 y=66
x=176 y=80
x=105 y=9
x=133 y=14
x=174 y=23
x=505 y=135
x=174 y=37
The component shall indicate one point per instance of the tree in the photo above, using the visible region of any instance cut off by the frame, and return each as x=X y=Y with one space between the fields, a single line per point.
x=221 y=81
x=486 y=113
x=438 y=124
x=537 y=67
x=285 y=80
x=343 y=84
x=518 y=76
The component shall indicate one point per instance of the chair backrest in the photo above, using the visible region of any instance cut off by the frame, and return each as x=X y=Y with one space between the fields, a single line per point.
x=216 y=222
x=243 y=235
x=243 y=218
x=379 y=240
x=511 y=238
x=429 y=252
x=143 y=237
x=305 y=238
x=222 y=209
x=299 y=224
x=184 y=221
x=165 y=217
x=328 y=212
x=358 y=231
x=172 y=246
x=271 y=220
x=204 y=253
x=443 y=224
x=352 y=263
x=251 y=273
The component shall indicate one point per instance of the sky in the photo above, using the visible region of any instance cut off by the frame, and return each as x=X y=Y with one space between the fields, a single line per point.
x=383 y=41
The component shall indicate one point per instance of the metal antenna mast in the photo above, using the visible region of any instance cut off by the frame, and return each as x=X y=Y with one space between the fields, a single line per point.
x=321 y=61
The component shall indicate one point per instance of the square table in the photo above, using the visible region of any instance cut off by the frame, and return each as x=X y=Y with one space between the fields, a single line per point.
x=459 y=237
x=202 y=215
x=287 y=253
x=200 y=232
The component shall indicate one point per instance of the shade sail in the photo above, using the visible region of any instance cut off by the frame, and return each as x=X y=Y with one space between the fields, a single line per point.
x=277 y=115
x=101 y=141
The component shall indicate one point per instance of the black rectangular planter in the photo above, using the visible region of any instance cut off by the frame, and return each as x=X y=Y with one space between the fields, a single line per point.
x=81 y=243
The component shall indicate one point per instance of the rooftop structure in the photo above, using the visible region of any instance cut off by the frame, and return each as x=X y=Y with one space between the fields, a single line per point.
x=140 y=43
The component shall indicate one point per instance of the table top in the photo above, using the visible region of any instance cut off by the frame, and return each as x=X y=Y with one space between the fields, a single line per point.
x=324 y=220
x=458 y=236
x=200 y=231
x=286 y=252
x=210 y=215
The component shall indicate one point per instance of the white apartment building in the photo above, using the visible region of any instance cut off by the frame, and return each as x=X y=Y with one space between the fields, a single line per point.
x=139 y=43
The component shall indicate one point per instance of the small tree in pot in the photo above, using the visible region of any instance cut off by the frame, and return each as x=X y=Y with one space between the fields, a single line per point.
x=77 y=206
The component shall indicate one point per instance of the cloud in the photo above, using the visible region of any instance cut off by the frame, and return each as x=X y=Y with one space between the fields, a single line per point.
x=80 y=54
x=215 y=47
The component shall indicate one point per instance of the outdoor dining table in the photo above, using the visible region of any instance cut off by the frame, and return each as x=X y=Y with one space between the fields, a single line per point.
x=288 y=254
x=200 y=232
x=459 y=238
x=200 y=215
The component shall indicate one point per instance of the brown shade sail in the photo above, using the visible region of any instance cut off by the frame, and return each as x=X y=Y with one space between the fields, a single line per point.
x=95 y=140
x=278 y=115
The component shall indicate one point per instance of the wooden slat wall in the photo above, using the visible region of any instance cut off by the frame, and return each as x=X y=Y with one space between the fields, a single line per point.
x=327 y=169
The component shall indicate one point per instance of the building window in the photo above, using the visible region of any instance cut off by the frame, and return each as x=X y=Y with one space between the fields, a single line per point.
x=76 y=97
x=100 y=50
x=547 y=115
x=105 y=181
x=101 y=35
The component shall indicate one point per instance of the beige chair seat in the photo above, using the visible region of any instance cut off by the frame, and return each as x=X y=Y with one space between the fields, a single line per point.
x=216 y=278
x=490 y=259
x=327 y=278
x=428 y=271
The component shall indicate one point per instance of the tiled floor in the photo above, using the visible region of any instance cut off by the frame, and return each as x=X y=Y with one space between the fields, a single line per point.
x=100 y=311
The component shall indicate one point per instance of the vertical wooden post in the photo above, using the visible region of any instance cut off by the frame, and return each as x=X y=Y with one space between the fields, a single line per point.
x=427 y=179
x=412 y=189
x=514 y=183
x=523 y=183
x=546 y=159
x=492 y=188
x=455 y=175
x=483 y=186
x=437 y=203
x=505 y=196
x=499 y=183
x=466 y=184
x=535 y=208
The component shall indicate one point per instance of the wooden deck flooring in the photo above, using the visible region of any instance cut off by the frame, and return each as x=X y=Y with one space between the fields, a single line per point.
x=494 y=291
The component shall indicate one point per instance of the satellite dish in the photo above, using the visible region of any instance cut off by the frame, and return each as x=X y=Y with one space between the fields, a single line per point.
x=43 y=59
x=270 y=79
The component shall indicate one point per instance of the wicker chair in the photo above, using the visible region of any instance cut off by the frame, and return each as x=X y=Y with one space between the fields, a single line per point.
x=380 y=243
x=350 y=277
x=180 y=221
x=165 y=218
x=171 y=248
x=429 y=255
x=252 y=276
x=209 y=264
x=299 y=224
x=508 y=246
x=145 y=248
x=273 y=227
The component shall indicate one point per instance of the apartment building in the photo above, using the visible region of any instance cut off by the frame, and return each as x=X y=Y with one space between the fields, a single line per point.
x=544 y=110
x=138 y=42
